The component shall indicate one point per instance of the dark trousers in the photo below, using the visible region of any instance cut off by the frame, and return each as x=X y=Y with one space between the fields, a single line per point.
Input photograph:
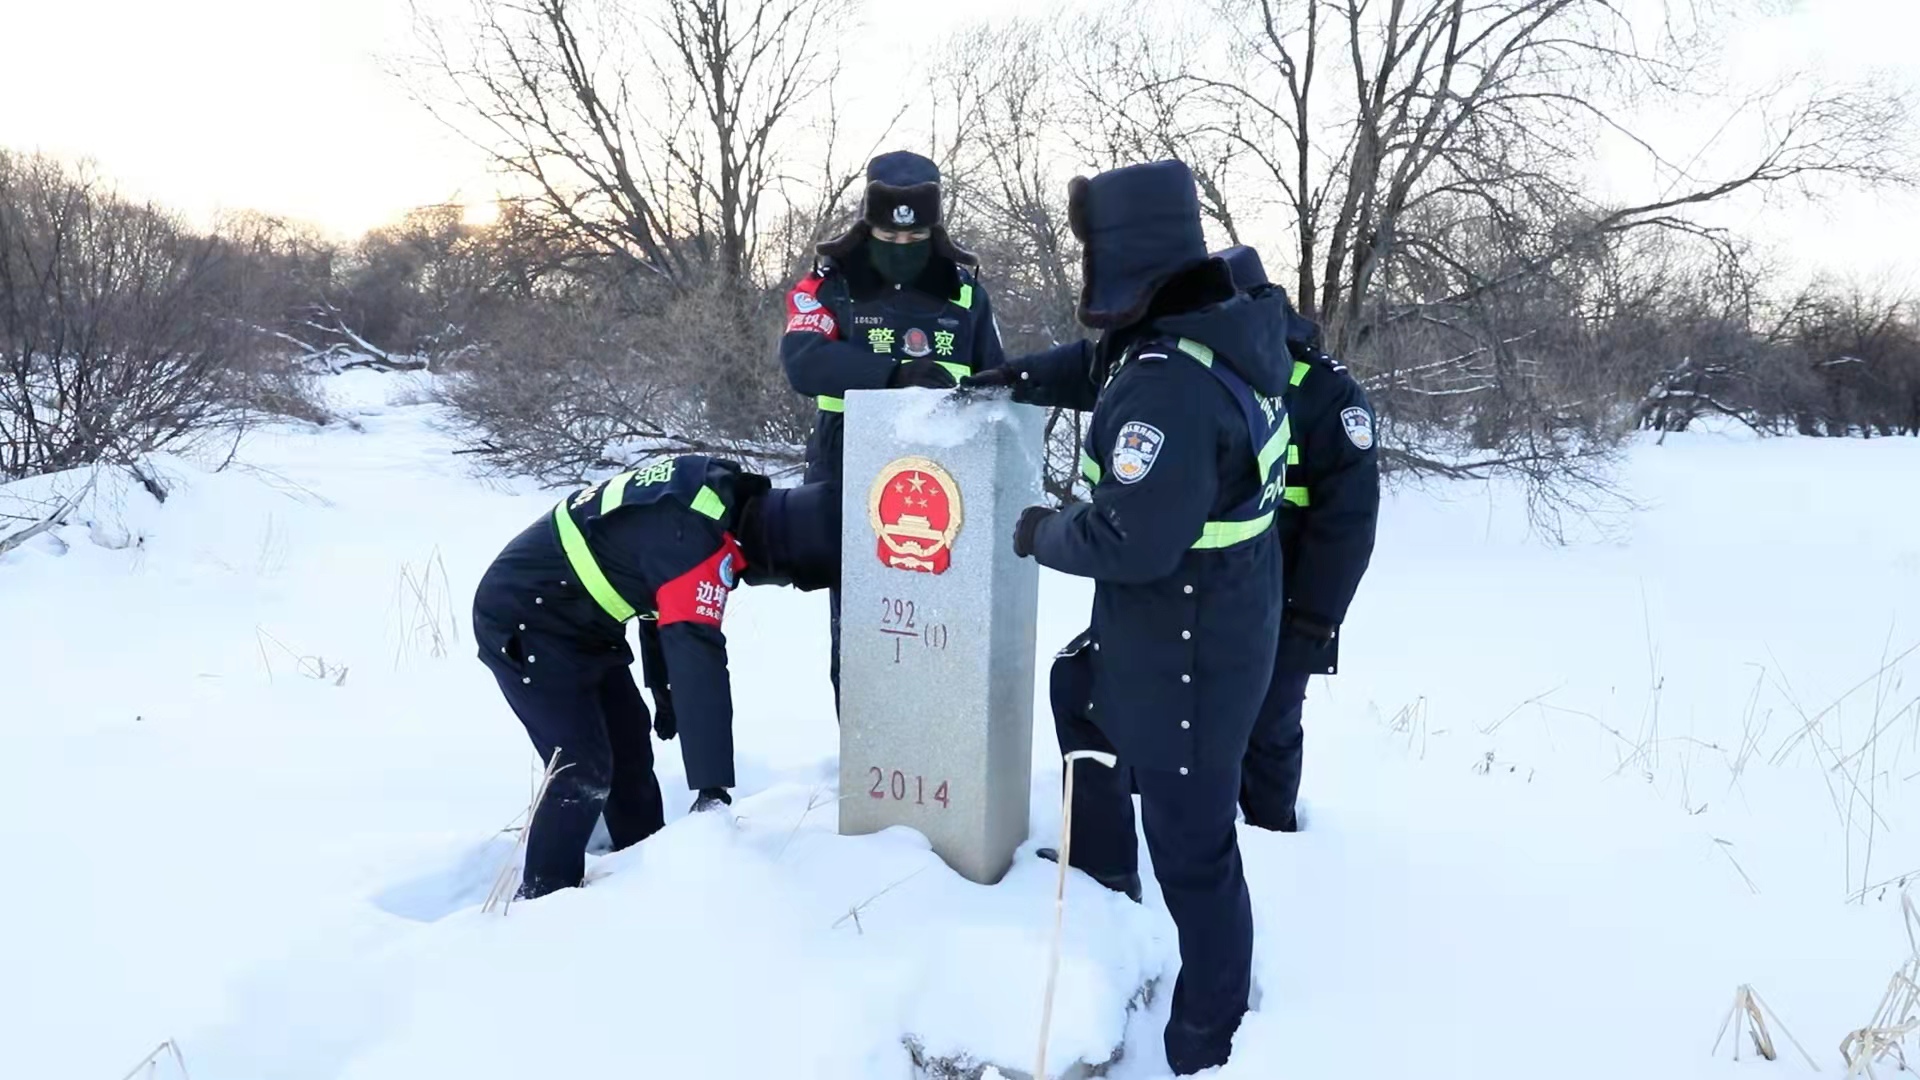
x=833 y=630
x=1189 y=824
x=600 y=727
x=1270 y=775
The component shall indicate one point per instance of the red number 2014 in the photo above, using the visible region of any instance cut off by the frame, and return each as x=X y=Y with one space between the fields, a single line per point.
x=897 y=785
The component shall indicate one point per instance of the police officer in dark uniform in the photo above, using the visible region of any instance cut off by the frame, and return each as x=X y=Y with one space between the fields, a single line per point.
x=665 y=545
x=1185 y=453
x=892 y=303
x=1329 y=508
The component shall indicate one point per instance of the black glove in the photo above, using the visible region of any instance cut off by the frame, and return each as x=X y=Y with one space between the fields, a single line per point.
x=1029 y=523
x=1304 y=625
x=992 y=377
x=664 y=723
x=925 y=372
x=1309 y=644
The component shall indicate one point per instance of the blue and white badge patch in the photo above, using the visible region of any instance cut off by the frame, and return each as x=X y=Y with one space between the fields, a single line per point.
x=1359 y=426
x=1135 y=450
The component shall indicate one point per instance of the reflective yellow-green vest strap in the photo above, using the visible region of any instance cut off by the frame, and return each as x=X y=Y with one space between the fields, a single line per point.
x=1089 y=468
x=1300 y=369
x=959 y=371
x=614 y=493
x=1220 y=534
x=1199 y=352
x=965 y=300
x=1296 y=495
x=1277 y=445
x=831 y=404
x=1293 y=454
x=574 y=543
x=708 y=503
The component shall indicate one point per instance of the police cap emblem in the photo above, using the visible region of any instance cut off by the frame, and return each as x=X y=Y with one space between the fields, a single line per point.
x=903 y=214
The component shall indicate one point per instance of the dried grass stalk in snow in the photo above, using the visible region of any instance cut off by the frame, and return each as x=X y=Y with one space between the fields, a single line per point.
x=1898 y=1015
x=1750 y=1015
x=149 y=1067
x=503 y=884
x=424 y=610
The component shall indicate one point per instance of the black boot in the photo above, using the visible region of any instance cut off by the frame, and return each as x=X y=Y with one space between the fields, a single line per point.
x=711 y=798
x=1126 y=884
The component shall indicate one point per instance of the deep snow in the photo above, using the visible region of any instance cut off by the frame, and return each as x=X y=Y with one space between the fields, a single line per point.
x=1562 y=800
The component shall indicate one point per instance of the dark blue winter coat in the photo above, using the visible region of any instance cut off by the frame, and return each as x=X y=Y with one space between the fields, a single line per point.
x=1183 y=639
x=1332 y=496
x=673 y=542
x=1331 y=509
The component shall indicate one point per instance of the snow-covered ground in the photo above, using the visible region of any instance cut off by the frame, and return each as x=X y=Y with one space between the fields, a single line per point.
x=1563 y=801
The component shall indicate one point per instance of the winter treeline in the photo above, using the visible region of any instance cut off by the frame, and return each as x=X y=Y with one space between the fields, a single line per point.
x=1419 y=175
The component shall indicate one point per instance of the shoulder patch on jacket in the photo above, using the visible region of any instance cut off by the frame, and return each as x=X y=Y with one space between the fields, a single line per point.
x=805 y=311
x=1359 y=426
x=1135 y=450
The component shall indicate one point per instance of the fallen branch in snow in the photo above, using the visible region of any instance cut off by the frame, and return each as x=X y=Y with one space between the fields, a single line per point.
x=53 y=520
x=503 y=884
x=152 y=1061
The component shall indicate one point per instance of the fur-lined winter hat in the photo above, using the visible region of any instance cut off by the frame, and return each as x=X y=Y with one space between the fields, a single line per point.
x=1139 y=229
x=903 y=192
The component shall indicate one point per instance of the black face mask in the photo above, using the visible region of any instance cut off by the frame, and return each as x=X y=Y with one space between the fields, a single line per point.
x=899 y=264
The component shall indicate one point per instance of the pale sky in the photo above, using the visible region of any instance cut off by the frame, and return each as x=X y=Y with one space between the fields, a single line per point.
x=283 y=106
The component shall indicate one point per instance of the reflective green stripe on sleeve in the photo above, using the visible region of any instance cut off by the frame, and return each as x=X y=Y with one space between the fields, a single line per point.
x=1220 y=534
x=708 y=503
x=574 y=543
x=1089 y=468
x=965 y=300
x=1300 y=369
x=1293 y=454
x=831 y=404
x=1296 y=495
x=959 y=371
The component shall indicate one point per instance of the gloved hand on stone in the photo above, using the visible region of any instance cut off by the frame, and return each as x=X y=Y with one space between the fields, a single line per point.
x=992 y=377
x=1029 y=523
x=924 y=372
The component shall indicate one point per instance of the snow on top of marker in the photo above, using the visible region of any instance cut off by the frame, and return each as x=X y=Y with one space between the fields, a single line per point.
x=945 y=419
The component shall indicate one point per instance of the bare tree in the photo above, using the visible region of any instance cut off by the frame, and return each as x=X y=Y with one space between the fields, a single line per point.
x=121 y=331
x=1004 y=149
x=652 y=135
x=1496 y=105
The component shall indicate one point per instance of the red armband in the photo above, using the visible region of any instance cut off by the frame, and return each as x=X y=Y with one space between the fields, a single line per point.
x=807 y=312
x=700 y=594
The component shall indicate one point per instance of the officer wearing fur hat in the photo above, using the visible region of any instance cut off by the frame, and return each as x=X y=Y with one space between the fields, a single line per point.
x=892 y=303
x=1184 y=454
